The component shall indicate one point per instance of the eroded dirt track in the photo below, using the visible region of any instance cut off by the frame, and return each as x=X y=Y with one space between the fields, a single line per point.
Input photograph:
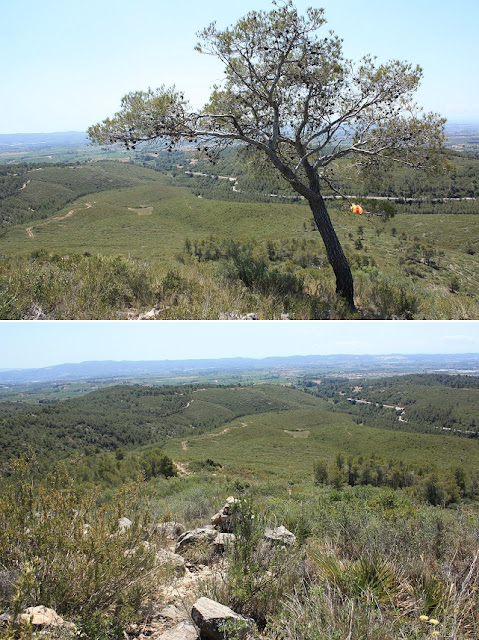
x=29 y=230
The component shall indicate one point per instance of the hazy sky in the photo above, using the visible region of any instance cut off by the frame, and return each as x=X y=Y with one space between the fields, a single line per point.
x=40 y=344
x=65 y=64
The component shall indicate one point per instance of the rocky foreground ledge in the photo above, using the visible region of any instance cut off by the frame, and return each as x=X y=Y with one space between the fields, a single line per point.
x=173 y=616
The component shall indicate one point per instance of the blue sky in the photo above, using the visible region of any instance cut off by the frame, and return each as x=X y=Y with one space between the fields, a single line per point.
x=40 y=344
x=65 y=64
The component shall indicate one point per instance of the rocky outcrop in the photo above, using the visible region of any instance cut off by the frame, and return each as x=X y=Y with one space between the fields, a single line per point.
x=182 y=631
x=165 y=556
x=171 y=530
x=223 y=541
x=42 y=617
x=280 y=535
x=196 y=536
x=211 y=617
x=224 y=518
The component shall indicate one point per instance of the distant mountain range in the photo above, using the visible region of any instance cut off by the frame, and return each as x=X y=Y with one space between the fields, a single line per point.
x=333 y=364
x=43 y=140
x=79 y=138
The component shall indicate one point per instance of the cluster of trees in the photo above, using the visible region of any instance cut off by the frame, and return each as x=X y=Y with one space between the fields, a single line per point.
x=106 y=469
x=437 y=487
x=121 y=416
x=398 y=182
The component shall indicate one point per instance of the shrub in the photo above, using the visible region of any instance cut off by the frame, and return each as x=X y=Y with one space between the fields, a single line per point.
x=258 y=574
x=394 y=298
x=72 y=287
x=78 y=560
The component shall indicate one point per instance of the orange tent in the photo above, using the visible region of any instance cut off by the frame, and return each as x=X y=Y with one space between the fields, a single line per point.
x=355 y=208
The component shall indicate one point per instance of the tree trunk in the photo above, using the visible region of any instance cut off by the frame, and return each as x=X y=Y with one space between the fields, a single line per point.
x=334 y=251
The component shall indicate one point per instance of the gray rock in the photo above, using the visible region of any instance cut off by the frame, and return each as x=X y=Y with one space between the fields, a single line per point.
x=195 y=536
x=44 y=617
x=224 y=518
x=182 y=631
x=280 y=535
x=170 y=529
x=210 y=617
x=223 y=540
x=165 y=556
x=171 y=612
x=124 y=524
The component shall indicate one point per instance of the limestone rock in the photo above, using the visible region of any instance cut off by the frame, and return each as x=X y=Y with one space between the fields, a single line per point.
x=223 y=540
x=165 y=556
x=280 y=535
x=44 y=617
x=170 y=529
x=171 y=612
x=210 y=616
x=224 y=518
x=182 y=631
x=124 y=524
x=195 y=536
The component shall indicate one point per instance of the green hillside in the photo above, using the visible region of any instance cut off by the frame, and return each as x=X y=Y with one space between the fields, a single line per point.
x=261 y=429
x=428 y=402
x=131 y=416
x=415 y=265
x=385 y=520
x=286 y=445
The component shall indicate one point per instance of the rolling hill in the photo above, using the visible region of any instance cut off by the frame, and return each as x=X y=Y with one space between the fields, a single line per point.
x=415 y=265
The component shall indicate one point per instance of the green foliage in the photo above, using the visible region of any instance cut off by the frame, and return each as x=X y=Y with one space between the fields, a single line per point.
x=88 y=287
x=96 y=425
x=258 y=574
x=70 y=553
x=155 y=463
x=408 y=274
x=430 y=402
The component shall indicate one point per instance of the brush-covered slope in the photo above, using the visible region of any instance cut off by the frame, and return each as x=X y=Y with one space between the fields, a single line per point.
x=130 y=416
x=288 y=444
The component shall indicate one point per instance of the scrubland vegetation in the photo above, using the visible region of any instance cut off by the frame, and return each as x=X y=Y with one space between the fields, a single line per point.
x=228 y=253
x=386 y=542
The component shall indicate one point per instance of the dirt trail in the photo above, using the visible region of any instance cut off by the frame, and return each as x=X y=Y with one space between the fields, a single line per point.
x=183 y=469
x=29 y=230
x=226 y=429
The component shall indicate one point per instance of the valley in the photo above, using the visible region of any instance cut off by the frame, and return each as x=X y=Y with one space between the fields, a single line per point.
x=132 y=466
x=182 y=232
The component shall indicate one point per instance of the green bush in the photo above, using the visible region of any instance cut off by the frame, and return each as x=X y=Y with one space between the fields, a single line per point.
x=77 y=558
x=72 y=287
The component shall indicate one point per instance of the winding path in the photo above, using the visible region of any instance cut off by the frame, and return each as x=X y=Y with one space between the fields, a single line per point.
x=29 y=230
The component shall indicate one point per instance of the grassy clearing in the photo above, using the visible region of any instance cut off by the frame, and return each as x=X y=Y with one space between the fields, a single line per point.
x=260 y=446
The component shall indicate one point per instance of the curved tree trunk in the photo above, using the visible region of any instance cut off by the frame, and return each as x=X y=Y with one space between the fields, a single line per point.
x=334 y=251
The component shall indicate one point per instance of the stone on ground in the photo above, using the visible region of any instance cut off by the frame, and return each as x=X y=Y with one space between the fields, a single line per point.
x=210 y=617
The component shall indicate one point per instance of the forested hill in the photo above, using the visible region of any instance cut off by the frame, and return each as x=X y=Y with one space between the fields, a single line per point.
x=131 y=416
x=435 y=403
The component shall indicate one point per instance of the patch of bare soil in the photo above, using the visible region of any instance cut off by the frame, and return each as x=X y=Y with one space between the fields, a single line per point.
x=298 y=433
